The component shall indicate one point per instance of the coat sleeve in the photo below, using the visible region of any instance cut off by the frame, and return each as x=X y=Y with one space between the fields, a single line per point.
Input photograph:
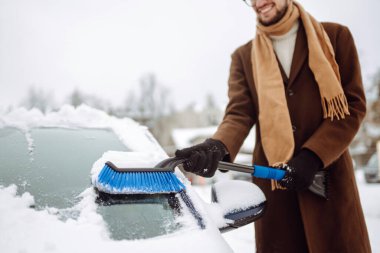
x=240 y=114
x=332 y=138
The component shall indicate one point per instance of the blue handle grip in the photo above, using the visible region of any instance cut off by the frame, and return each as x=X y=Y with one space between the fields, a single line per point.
x=268 y=172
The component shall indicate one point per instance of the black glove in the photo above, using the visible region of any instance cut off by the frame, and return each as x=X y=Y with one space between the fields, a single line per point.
x=202 y=159
x=301 y=170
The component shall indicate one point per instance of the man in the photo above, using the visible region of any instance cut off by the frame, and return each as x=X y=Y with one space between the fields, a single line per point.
x=299 y=82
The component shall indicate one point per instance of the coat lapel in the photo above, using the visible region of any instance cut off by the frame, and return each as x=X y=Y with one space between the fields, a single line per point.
x=299 y=55
x=283 y=74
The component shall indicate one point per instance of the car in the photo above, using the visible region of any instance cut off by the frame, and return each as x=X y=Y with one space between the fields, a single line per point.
x=372 y=169
x=49 y=204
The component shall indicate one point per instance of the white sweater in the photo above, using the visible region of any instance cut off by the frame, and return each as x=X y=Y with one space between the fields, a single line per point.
x=284 y=45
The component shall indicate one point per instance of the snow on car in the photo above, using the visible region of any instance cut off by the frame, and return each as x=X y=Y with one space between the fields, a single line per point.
x=49 y=205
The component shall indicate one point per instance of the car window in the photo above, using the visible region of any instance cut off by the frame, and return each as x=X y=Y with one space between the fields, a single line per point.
x=53 y=164
x=141 y=216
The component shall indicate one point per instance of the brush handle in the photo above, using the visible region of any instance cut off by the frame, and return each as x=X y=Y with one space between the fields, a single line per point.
x=318 y=186
x=255 y=170
x=170 y=163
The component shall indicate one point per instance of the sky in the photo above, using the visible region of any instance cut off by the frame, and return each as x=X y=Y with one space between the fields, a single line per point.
x=104 y=47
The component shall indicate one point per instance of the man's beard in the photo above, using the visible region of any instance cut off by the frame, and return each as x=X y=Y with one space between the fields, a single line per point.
x=276 y=18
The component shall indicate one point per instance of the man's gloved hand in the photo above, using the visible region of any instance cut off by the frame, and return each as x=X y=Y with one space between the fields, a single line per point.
x=301 y=170
x=202 y=159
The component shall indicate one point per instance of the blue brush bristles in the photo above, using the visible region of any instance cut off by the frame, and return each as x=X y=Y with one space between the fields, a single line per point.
x=137 y=182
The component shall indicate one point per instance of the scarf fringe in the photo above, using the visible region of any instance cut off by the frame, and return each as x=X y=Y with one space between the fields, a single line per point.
x=335 y=107
x=276 y=185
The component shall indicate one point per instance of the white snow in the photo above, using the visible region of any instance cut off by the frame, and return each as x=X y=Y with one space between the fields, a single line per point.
x=233 y=195
x=237 y=193
x=133 y=135
x=216 y=212
x=24 y=229
x=27 y=230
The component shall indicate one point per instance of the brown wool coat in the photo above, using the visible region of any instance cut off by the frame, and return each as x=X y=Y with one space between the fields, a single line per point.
x=304 y=222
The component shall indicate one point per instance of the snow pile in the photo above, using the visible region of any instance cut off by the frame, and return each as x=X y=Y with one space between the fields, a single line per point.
x=237 y=193
x=131 y=134
x=28 y=230
x=233 y=195
x=216 y=212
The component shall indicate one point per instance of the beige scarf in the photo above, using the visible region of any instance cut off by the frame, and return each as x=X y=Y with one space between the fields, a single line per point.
x=275 y=125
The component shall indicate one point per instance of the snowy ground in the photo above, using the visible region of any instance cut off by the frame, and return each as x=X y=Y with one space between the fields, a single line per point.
x=242 y=239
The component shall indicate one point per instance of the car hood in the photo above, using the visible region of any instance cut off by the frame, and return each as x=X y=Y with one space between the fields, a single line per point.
x=42 y=230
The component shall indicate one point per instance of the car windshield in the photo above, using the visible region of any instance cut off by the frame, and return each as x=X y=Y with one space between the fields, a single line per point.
x=53 y=164
x=148 y=215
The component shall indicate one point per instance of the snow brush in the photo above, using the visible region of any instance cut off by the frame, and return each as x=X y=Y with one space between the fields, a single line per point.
x=319 y=185
x=160 y=179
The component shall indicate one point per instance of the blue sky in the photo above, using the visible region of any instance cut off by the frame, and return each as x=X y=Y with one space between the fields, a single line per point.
x=103 y=47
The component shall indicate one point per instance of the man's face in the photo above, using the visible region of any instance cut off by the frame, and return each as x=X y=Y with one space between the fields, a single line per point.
x=270 y=12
